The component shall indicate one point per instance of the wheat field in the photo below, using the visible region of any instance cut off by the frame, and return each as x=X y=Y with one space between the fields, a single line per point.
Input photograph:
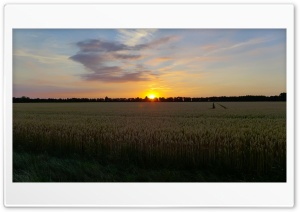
x=245 y=138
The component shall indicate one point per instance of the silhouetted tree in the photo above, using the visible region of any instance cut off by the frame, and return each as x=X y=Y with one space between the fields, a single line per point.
x=250 y=98
x=282 y=96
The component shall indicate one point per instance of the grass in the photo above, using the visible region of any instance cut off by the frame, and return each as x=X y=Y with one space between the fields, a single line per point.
x=149 y=142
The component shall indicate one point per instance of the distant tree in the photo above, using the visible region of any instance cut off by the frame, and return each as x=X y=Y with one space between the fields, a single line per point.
x=170 y=99
x=178 y=99
x=187 y=99
x=282 y=96
x=162 y=99
x=24 y=99
x=250 y=98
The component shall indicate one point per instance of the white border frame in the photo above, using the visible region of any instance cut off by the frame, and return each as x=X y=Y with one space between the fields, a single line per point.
x=149 y=16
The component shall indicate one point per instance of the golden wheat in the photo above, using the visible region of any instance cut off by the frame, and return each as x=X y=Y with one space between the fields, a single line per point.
x=250 y=137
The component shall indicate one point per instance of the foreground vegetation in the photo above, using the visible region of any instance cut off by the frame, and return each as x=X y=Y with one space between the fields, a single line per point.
x=151 y=141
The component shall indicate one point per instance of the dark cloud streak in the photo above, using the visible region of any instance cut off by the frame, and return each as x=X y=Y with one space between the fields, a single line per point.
x=126 y=57
x=93 y=45
x=137 y=76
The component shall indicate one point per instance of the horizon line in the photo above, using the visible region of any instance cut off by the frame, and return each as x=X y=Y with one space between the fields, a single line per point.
x=146 y=96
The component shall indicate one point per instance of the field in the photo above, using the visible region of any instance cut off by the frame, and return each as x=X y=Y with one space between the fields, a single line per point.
x=149 y=142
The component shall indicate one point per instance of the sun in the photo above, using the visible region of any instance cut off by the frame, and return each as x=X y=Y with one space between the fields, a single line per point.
x=152 y=96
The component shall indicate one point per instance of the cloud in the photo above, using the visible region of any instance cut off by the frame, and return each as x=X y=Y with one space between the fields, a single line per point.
x=106 y=60
x=126 y=77
x=255 y=41
x=48 y=91
x=156 y=43
x=89 y=60
x=40 y=57
x=93 y=45
x=159 y=60
x=133 y=37
x=163 y=41
x=124 y=56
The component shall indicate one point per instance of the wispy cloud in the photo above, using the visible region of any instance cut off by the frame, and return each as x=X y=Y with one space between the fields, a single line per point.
x=158 y=60
x=156 y=43
x=55 y=91
x=43 y=58
x=212 y=49
x=133 y=37
x=109 y=77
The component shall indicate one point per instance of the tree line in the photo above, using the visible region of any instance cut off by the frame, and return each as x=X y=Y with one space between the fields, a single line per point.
x=247 y=98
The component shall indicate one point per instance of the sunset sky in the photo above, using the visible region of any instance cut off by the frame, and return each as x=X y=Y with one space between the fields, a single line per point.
x=94 y=63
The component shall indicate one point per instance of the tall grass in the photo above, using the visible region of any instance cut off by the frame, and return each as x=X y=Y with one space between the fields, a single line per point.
x=249 y=138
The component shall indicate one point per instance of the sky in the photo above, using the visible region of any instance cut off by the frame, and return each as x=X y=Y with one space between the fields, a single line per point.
x=130 y=63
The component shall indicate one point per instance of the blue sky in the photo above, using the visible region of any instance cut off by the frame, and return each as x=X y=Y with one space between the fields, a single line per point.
x=94 y=63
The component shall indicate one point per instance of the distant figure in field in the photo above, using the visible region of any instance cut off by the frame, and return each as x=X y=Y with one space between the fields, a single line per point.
x=213 y=107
